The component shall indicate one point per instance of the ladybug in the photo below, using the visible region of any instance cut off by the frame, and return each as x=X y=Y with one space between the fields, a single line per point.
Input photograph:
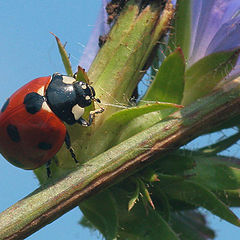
x=32 y=120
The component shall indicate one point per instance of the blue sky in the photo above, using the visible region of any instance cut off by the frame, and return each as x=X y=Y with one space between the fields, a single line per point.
x=29 y=51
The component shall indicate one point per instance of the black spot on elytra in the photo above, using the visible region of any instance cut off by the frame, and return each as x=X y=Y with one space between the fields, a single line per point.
x=5 y=105
x=13 y=133
x=33 y=102
x=44 y=146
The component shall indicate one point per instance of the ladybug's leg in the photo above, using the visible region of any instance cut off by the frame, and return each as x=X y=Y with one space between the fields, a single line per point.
x=48 y=168
x=69 y=147
x=83 y=122
x=92 y=114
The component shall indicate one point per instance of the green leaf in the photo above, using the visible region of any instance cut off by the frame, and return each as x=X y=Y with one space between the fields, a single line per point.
x=101 y=211
x=161 y=229
x=134 y=197
x=217 y=174
x=191 y=225
x=176 y=163
x=82 y=75
x=161 y=202
x=182 y=27
x=145 y=193
x=229 y=197
x=168 y=84
x=86 y=223
x=200 y=196
x=204 y=75
x=124 y=116
x=64 y=56
x=149 y=175
x=155 y=226
x=131 y=222
x=113 y=126
x=168 y=180
x=220 y=145
x=158 y=59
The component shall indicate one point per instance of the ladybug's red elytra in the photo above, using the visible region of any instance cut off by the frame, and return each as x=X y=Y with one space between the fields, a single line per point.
x=32 y=120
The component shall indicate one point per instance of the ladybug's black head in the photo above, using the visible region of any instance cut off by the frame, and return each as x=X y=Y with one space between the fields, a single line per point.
x=85 y=94
x=68 y=97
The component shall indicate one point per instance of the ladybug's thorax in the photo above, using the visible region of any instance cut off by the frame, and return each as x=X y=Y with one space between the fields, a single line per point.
x=67 y=97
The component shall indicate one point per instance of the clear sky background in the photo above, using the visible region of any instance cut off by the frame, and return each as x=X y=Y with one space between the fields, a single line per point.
x=29 y=51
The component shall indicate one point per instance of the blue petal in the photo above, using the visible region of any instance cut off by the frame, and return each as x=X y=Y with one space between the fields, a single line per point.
x=208 y=16
x=227 y=38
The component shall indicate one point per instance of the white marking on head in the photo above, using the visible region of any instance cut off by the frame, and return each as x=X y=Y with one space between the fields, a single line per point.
x=87 y=98
x=84 y=86
x=77 y=111
x=41 y=91
x=68 y=80
x=46 y=107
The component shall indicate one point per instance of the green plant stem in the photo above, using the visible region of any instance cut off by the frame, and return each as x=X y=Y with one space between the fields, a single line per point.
x=117 y=69
x=56 y=198
x=122 y=60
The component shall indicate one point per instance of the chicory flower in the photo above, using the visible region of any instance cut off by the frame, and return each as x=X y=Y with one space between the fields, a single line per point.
x=215 y=27
x=101 y=28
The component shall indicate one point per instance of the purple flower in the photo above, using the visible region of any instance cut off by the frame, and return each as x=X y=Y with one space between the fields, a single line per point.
x=215 y=27
x=101 y=28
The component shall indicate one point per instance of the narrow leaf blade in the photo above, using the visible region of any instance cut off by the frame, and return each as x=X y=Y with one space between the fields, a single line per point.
x=217 y=174
x=64 y=56
x=101 y=211
x=182 y=27
x=168 y=84
x=220 y=145
x=205 y=74
x=198 y=195
x=134 y=197
x=124 y=116
x=82 y=75
x=145 y=193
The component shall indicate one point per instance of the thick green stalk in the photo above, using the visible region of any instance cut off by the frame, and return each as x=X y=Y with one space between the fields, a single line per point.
x=117 y=69
x=56 y=198
x=120 y=63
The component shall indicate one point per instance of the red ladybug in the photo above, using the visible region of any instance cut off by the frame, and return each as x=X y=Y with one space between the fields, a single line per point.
x=32 y=120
